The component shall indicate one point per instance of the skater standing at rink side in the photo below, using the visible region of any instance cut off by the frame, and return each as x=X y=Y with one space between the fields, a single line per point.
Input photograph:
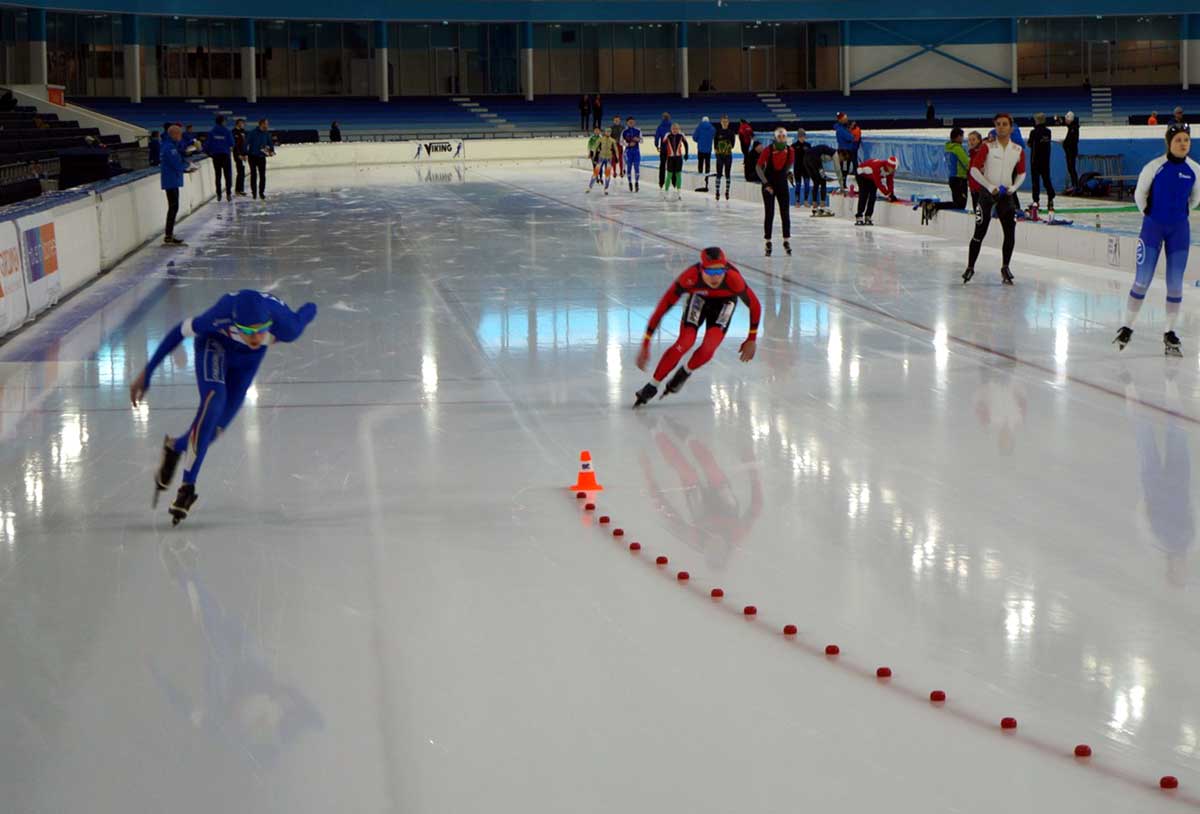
x=1040 y=140
x=606 y=159
x=873 y=176
x=231 y=342
x=814 y=168
x=672 y=154
x=999 y=169
x=723 y=140
x=1167 y=190
x=632 y=137
x=775 y=173
x=661 y=132
x=703 y=135
x=846 y=151
x=616 y=129
x=713 y=287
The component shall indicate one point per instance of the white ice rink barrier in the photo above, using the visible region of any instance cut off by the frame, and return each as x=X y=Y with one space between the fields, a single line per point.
x=50 y=251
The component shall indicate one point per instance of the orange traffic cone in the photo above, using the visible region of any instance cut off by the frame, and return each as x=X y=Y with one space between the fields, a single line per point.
x=587 y=478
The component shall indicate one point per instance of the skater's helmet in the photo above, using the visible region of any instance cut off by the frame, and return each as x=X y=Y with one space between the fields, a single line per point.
x=1173 y=130
x=713 y=261
x=250 y=312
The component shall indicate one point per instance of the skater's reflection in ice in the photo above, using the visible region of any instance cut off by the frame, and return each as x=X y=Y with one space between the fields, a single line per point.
x=712 y=519
x=1001 y=401
x=242 y=704
x=1166 y=503
x=1001 y=404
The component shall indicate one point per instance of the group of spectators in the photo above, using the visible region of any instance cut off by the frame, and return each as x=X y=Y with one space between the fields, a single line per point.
x=224 y=147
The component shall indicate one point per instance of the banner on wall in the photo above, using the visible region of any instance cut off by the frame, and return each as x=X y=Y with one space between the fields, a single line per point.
x=13 y=307
x=43 y=283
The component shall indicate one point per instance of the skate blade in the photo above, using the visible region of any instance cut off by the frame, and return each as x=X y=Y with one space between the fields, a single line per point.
x=157 y=494
x=1174 y=353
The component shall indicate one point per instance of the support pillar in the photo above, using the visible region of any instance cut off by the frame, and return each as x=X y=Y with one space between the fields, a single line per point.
x=39 y=65
x=683 y=59
x=249 y=63
x=132 y=41
x=527 y=59
x=845 y=57
x=381 y=60
x=1185 y=42
x=1013 y=58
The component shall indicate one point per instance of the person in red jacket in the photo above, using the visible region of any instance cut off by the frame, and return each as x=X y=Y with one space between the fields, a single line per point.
x=874 y=175
x=974 y=139
x=714 y=285
x=775 y=173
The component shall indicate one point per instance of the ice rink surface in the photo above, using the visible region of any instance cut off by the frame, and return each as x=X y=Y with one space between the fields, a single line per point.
x=386 y=600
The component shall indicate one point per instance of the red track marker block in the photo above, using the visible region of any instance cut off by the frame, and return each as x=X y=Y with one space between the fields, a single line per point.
x=590 y=507
x=683 y=576
x=883 y=672
x=937 y=696
x=618 y=532
x=717 y=593
x=603 y=519
x=1169 y=782
x=749 y=610
x=789 y=630
x=635 y=546
x=832 y=650
x=1083 y=750
x=580 y=495
x=1008 y=723
x=661 y=560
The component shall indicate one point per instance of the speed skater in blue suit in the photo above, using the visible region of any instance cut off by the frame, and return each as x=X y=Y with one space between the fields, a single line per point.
x=230 y=341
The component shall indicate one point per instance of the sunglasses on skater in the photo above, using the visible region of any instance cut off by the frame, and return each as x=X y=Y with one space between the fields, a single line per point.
x=251 y=330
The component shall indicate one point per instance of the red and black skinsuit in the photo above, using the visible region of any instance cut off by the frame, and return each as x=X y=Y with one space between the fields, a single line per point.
x=711 y=307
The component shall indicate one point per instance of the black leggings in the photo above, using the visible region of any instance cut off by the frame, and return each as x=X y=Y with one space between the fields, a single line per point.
x=1042 y=175
x=172 y=211
x=223 y=167
x=258 y=175
x=724 y=165
x=867 y=193
x=819 y=191
x=958 y=195
x=703 y=163
x=1006 y=211
x=1071 y=156
x=779 y=195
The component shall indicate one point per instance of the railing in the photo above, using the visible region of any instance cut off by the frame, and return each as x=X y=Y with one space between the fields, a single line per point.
x=417 y=135
x=11 y=173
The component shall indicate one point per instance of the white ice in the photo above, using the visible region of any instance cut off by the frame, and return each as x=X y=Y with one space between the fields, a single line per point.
x=386 y=599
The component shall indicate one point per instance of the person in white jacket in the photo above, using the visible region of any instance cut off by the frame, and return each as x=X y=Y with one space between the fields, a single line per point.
x=999 y=169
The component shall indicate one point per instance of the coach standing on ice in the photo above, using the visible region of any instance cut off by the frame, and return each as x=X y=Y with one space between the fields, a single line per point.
x=172 y=168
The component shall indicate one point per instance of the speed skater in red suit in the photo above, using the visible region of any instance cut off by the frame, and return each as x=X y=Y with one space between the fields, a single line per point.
x=713 y=286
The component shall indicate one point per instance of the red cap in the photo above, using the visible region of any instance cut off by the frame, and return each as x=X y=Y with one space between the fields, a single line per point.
x=840 y=115
x=713 y=258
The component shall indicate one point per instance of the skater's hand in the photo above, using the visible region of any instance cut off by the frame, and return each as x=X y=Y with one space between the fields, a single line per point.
x=747 y=349
x=643 y=356
x=893 y=198
x=137 y=389
x=770 y=191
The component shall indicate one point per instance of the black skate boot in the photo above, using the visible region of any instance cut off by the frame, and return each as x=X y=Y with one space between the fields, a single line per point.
x=1171 y=344
x=1006 y=276
x=645 y=394
x=787 y=247
x=767 y=249
x=166 y=469
x=868 y=222
x=727 y=191
x=677 y=382
x=184 y=499
x=967 y=275
x=637 y=187
x=1123 y=337
x=858 y=221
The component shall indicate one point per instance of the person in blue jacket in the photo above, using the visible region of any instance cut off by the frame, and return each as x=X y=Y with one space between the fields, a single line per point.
x=847 y=150
x=1168 y=188
x=703 y=136
x=188 y=141
x=219 y=146
x=231 y=340
x=663 y=130
x=171 y=169
x=259 y=145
